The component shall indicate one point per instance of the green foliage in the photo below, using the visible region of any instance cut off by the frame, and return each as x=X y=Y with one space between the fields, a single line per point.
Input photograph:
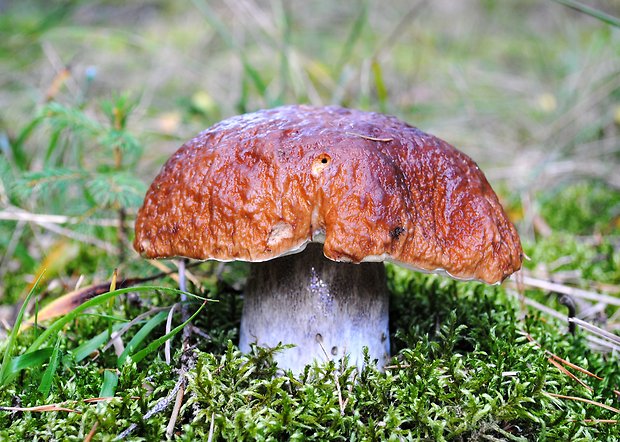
x=582 y=208
x=87 y=169
x=464 y=371
x=47 y=183
x=476 y=378
x=89 y=161
x=25 y=25
x=110 y=382
x=142 y=334
x=50 y=371
x=115 y=189
x=598 y=14
x=156 y=343
x=96 y=301
x=5 y=368
x=588 y=262
x=51 y=386
x=82 y=351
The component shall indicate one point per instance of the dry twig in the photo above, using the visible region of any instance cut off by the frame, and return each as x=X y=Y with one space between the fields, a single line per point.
x=572 y=291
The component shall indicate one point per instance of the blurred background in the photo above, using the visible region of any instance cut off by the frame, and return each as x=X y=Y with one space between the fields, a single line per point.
x=95 y=95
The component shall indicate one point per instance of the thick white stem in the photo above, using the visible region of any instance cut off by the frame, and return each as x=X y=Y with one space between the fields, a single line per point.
x=326 y=309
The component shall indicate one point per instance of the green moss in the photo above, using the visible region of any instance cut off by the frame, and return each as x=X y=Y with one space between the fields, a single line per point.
x=477 y=377
x=582 y=208
x=464 y=370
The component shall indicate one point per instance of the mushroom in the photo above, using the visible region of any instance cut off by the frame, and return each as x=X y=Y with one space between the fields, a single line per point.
x=316 y=198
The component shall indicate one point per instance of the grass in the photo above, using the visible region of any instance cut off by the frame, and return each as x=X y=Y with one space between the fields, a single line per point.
x=100 y=94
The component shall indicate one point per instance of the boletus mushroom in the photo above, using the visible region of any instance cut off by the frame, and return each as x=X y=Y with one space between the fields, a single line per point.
x=316 y=198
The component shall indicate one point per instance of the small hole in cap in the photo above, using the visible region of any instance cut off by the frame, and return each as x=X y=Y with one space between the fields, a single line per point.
x=320 y=163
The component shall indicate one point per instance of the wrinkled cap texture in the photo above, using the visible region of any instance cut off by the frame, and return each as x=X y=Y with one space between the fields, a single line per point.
x=367 y=185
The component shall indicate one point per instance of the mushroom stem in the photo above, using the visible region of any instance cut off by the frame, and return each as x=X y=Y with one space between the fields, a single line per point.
x=326 y=309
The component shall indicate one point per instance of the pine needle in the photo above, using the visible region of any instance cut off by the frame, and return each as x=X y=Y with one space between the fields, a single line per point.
x=572 y=291
x=569 y=374
x=581 y=399
x=41 y=409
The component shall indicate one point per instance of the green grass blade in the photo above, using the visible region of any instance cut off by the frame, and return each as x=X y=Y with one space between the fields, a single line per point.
x=258 y=82
x=227 y=37
x=46 y=382
x=158 y=342
x=381 y=90
x=10 y=346
x=28 y=360
x=354 y=35
x=51 y=148
x=83 y=350
x=110 y=381
x=242 y=103
x=600 y=15
x=284 y=48
x=17 y=147
x=97 y=300
x=141 y=336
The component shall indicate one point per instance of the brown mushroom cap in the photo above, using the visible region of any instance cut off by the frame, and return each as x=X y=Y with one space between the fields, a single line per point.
x=367 y=185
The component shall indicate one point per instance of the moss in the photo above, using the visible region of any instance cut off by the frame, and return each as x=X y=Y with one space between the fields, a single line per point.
x=464 y=370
